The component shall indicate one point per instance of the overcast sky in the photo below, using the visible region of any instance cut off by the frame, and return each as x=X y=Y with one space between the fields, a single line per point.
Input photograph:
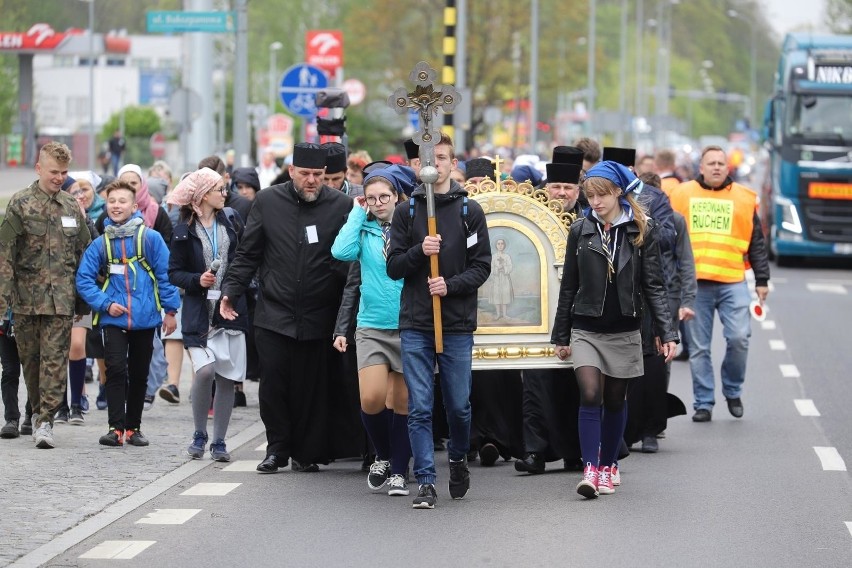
x=787 y=15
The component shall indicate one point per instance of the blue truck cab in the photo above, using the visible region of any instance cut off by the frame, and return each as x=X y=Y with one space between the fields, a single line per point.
x=807 y=203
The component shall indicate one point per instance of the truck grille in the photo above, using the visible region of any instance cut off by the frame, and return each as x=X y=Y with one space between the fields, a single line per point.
x=827 y=220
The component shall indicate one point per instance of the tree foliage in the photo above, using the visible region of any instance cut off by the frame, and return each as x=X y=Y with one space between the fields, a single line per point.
x=139 y=121
x=838 y=16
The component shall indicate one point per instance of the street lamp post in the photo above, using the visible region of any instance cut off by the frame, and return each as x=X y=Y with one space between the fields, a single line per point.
x=274 y=48
x=753 y=78
x=92 y=85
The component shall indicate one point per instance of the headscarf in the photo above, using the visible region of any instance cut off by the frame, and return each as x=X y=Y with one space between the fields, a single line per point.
x=147 y=206
x=618 y=174
x=98 y=203
x=192 y=189
x=401 y=178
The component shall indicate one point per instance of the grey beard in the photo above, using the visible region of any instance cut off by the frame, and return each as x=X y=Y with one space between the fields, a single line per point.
x=305 y=197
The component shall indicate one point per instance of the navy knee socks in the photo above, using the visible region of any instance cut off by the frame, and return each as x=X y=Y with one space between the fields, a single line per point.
x=612 y=431
x=77 y=375
x=378 y=429
x=589 y=425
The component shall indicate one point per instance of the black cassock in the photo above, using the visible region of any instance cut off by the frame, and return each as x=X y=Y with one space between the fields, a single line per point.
x=496 y=406
x=551 y=404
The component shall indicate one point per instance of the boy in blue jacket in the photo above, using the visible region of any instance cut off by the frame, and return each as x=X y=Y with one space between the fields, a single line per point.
x=123 y=276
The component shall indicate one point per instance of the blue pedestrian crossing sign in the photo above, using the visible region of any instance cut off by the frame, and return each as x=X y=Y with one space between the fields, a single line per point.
x=299 y=87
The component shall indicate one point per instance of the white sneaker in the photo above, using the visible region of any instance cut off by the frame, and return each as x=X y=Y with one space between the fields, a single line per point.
x=379 y=474
x=44 y=437
x=397 y=485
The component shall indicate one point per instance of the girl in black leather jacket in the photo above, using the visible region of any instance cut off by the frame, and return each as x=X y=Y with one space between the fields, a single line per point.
x=612 y=263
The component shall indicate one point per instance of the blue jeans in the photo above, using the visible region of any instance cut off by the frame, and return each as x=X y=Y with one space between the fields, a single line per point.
x=159 y=369
x=731 y=301
x=418 y=364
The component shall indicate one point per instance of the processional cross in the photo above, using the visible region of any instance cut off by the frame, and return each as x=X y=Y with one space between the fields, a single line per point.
x=427 y=99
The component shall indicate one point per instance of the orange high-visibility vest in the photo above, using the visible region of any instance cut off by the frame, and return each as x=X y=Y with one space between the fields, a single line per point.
x=668 y=184
x=720 y=225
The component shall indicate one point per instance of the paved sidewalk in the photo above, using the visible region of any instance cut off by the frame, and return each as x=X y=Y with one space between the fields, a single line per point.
x=15 y=179
x=43 y=493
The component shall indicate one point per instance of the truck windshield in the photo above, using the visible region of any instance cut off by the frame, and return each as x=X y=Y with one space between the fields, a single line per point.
x=820 y=117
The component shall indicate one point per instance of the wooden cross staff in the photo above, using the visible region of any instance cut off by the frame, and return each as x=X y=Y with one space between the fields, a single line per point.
x=427 y=99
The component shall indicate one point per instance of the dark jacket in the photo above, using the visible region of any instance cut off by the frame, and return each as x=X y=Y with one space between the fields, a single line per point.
x=584 y=296
x=464 y=260
x=347 y=314
x=300 y=282
x=237 y=201
x=186 y=264
x=659 y=208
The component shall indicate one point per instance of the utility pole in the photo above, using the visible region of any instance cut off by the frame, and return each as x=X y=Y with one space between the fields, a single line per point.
x=241 y=135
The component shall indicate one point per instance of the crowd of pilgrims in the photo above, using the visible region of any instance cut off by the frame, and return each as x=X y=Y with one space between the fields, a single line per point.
x=224 y=274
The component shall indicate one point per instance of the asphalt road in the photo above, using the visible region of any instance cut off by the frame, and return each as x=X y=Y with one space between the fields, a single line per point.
x=749 y=492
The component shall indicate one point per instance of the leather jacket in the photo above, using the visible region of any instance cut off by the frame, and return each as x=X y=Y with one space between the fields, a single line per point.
x=583 y=286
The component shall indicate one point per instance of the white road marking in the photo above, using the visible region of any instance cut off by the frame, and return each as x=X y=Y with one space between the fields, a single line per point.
x=261 y=448
x=168 y=517
x=790 y=371
x=768 y=324
x=849 y=527
x=241 y=465
x=830 y=459
x=777 y=345
x=806 y=407
x=118 y=549
x=211 y=489
x=827 y=288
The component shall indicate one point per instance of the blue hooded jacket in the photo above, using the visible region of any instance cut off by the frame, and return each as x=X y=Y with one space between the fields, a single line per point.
x=134 y=289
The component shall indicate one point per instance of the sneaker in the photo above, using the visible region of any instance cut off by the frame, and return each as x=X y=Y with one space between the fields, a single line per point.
x=149 y=402
x=135 y=438
x=10 y=430
x=397 y=485
x=459 y=479
x=84 y=403
x=488 y=454
x=379 y=474
x=112 y=438
x=218 y=452
x=615 y=475
x=27 y=426
x=44 y=436
x=735 y=407
x=89 y=377
x=702 y=415
x=61 y=416
x=196 y=448
x=169 y=393
x=240 y=399
x=588 y=486
x=650 y=445
x=101 y=401
x=304 y=467
x=605 y=486
x=76 y=416
x=426 y=497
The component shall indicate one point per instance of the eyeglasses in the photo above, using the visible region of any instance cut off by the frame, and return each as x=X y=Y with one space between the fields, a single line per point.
x=383 y=198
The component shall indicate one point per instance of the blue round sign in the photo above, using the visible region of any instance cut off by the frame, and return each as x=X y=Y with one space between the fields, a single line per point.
x=299 y=86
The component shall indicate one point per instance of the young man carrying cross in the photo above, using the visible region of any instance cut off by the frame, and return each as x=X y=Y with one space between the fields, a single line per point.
x=464 y=254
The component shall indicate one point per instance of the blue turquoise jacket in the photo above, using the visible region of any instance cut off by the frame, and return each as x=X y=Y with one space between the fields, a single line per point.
x=134 y=289
x=361 y=239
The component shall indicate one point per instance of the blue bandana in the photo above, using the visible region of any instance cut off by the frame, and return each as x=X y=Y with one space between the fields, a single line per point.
x=617 y=174
x=402 y=178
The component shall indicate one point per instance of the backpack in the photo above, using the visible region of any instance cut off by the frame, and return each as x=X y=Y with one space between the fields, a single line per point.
x=138 y=258
x=463 y=214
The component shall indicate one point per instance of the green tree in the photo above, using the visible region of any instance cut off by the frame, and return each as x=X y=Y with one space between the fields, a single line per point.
x=838 y=16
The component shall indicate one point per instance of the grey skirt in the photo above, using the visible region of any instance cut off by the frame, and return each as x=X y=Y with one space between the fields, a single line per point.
x=378 y=347
x=616 y=355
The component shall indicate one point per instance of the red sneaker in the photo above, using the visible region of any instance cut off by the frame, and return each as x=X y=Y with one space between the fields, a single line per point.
x=588 y=486
x=605 y=481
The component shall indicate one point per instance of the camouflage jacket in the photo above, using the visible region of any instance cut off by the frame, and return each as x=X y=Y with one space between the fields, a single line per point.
x=41 y=241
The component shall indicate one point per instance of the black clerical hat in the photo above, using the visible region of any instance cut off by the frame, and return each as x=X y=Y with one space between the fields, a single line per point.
x=567 y=155
x=307 y=155
x=624 y=156
x=335 y=161
x=479 y=167
x=412 y=150
x=563 y=173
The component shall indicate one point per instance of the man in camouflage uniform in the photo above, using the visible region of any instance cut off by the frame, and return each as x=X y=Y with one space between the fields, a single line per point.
x=42 y=239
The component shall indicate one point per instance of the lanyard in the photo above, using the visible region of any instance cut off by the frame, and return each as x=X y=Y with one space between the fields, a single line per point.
x=214 y=239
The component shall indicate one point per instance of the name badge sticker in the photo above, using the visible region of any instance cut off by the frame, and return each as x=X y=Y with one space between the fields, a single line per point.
x=472 y=240
x=69 y=222
x=214 y=294
x=311 y=234
x=117 y=269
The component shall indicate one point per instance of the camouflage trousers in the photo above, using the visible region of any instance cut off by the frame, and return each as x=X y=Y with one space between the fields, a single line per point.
x=43 y=344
